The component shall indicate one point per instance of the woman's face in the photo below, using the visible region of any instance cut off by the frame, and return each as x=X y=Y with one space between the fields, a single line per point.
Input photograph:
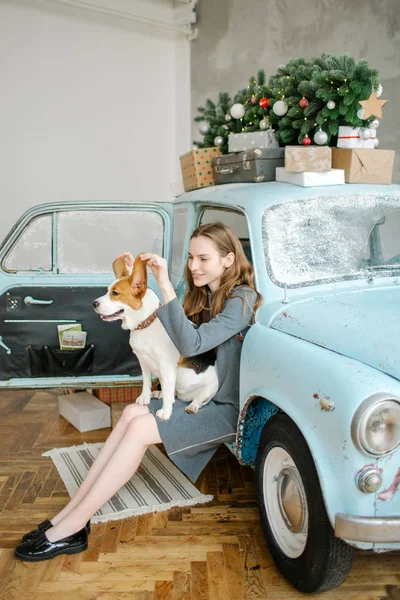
x=205 y=262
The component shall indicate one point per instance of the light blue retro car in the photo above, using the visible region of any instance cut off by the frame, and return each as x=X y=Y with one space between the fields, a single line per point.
x=320 y=368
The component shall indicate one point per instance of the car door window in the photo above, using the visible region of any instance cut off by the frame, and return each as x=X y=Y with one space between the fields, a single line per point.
x=236 y=221
x=32 y=250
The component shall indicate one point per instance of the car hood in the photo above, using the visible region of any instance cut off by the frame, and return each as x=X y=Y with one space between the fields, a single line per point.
x=363 y=325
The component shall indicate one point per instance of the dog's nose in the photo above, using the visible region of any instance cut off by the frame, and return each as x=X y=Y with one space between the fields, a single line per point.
x=96 y=303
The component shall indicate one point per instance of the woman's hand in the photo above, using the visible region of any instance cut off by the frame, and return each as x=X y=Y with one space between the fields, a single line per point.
x=159 y=268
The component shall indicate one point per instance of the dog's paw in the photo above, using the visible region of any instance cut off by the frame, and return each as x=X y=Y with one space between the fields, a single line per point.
x=164 y=414
x=192 y=408
x=156 y=394
x=143 y=399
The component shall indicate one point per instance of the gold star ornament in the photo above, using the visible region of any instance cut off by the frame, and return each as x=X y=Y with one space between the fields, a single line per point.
x=373 y=106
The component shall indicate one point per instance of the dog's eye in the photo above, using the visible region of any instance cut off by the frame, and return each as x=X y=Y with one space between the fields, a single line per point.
x=114 y=293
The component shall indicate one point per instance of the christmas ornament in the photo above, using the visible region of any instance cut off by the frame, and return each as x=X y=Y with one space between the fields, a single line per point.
x=320 y=137
x=374 y=124
x=306 y=140
x=253 y=99
x=264 y=102
x=303 y=102
x=365 y=133
x=204 y=128
x=361 y=113
x=219 y=140
x=225 y=127
x=376 y=143
x=373 y=106
x=237 y=111
x=379 y=91
x=280 y=108
x=228 y=117
x=264 y=124
x=330 y=104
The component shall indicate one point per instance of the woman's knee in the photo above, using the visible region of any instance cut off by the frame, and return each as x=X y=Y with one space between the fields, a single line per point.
x=132 y=411
x=144 y=428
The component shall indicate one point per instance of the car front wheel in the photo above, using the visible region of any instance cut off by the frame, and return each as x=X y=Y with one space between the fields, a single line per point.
x=293 y=515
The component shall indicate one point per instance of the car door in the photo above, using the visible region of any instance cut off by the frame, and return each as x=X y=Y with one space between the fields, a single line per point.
x=53 y=264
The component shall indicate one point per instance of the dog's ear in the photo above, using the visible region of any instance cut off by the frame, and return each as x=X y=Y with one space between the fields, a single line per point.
x=138 y=279
x=122 y=266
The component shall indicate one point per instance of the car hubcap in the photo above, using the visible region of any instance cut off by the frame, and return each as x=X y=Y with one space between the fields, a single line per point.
x=285 y=502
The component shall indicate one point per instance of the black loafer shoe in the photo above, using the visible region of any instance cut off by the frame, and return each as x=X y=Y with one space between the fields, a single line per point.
x=44 y=526
x=40 y=548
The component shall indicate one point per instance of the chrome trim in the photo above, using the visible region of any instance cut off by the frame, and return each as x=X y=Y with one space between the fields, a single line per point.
x=367 y=529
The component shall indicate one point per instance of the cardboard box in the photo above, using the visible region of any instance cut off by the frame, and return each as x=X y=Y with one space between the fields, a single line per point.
x=84 y=411
x=311 y=178
x=122 y=394
x=239 y=142
x=363 y=165
x=308 y=158
x=196 y=168
x=349 y=137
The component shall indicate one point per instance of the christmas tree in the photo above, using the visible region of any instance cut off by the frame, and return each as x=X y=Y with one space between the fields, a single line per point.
x=214 y=123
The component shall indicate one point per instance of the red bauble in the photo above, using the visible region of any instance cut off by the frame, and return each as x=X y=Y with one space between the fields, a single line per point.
x=303 y=102
x=306 y=141
x=264 y=102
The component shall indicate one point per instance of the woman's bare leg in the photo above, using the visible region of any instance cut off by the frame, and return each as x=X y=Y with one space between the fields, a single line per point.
x=130 y=412
x=142 y=432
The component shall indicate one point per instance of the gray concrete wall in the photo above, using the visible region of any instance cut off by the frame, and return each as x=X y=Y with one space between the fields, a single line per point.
x=238 y=37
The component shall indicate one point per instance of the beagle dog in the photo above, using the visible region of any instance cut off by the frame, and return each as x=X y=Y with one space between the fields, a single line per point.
x=191 y=379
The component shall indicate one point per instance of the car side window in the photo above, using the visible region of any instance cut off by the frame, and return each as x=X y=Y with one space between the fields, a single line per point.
x=236 y=221
x=89 y=241
x=181 y=217
x=32 y=250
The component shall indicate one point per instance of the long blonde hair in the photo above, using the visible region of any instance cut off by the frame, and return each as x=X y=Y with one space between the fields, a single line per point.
x=240 y=273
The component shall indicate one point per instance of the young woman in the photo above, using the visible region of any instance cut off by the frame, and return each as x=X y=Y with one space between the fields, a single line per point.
x=219 y=305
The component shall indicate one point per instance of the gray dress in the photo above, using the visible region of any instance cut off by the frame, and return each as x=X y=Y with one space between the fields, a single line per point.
x=191 y=439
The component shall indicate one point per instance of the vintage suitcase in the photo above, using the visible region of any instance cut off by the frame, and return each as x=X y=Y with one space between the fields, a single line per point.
x=251 y=166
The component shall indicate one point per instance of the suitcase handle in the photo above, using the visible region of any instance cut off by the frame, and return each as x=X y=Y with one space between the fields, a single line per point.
x=226 y=170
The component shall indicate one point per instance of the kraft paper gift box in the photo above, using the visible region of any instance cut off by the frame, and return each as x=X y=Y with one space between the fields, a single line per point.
x=84 y=411
x=311 y=178
x=308 y=158
x=196 y=168
x=349 y=137
x=239 y=142
x=363 y=165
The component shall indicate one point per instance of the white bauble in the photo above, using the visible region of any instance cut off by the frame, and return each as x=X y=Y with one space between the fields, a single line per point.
x=374 y=124
x=361 y=113
x=237 y=111
x=365 y=133
x=320 y=137
x=228 y=117
x=263 y=124
x=219 y=140
x=280 y=108
x=379 y=91
x=204 y=128
x=376 y=143
x=331 y=104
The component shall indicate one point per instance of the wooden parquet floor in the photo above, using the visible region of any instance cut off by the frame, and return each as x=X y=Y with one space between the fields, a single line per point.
x=211 y=552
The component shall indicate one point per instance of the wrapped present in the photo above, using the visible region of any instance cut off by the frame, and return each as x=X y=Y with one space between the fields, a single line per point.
x=239 y=142
x=252 y=166
x=122 y=394
x=349 y=137
x=196 y=168
x=308 y=158
x=310 y=178
x=363 y=165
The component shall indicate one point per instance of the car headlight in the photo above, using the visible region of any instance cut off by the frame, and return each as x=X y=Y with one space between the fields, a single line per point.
x=376 y=425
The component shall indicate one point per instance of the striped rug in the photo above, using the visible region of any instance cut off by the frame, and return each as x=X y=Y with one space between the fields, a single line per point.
x=156 y=486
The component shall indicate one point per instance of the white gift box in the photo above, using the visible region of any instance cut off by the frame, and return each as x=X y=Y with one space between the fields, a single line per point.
x=311 y=178
x=238 y=142
x=349 y=137
x=84 y=411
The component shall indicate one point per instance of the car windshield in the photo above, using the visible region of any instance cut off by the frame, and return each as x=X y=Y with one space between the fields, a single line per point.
x=327 y=238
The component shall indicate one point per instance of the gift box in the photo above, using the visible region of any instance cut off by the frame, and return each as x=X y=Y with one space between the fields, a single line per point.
x=239 y=142
x=196 y=168
x=84 y=411
x=311 y=178
x=364 y=166
x=308 y=158
x=122 y=394
x=252 y=166
x=349 y=137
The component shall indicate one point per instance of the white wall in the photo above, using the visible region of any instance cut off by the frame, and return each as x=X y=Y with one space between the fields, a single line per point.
x=92 y=107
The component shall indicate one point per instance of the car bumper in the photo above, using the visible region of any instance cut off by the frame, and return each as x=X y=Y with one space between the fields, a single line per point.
x=367 y=529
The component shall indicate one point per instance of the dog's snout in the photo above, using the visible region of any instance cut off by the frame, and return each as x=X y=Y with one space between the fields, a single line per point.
x=95 y=303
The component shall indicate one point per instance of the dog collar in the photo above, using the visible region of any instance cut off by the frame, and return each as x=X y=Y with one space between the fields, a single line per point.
x=149 y=320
